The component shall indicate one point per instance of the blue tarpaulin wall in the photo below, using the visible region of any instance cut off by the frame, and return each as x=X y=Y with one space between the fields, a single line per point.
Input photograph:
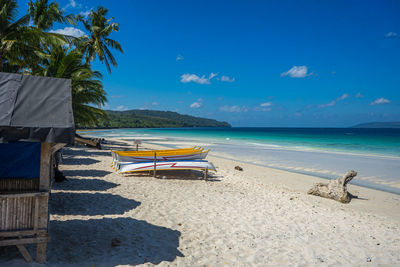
x=20 y=160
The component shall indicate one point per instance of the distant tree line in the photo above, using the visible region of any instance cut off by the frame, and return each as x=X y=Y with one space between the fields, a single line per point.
x=154 y=119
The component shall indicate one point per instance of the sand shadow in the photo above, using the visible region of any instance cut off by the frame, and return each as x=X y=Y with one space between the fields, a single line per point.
x=79 y=161
x=141 y=242
x=87 y=152
x=85 y=173
x=88 y=243
x=118 y=144
x=84 y=151
x=355 y=197
x=84 y=184
x=177 y=175
x=89 y=204
x=120 y=148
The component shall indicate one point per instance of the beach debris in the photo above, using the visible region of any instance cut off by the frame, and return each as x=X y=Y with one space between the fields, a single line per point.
x=89 y=142
x=115 y=242
x=335 y=189
x=320 y=258
x=238 y=168
x=369 y=259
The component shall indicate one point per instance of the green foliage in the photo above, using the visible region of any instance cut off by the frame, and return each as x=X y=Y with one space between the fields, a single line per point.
x=98 y=41
x=44 y=14
x=31 y=50
x=155 y=119
x=17 y=40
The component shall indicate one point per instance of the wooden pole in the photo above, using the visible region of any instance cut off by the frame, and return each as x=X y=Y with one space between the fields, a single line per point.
x=205 y=174
x=155 y=163
x=44 y=185
x=137 y=147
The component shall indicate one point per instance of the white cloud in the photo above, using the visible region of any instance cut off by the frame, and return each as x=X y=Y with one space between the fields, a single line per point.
x=121 y=108
x=227 y=79
x=330 y=104
x=234 y=108
x=212 y=75
x=380 y=101
x=266 y=104
x=187 y=78
x=85 y=14
x=333 y=102
x=72 y=4
x=71 y=31
x=391 y=35
x=179 y=57
x=342 y=97
x=297 y=72
x=358 y=95
x=154 y=104
x=196 y=105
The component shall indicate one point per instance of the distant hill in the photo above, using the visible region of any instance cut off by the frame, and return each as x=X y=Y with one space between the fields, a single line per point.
x=155 y=119
x=378 y=125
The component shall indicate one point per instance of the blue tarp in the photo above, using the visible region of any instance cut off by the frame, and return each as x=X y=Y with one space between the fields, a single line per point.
x=20 y=160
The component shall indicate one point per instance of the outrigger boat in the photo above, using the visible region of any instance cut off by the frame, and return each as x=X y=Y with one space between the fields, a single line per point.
x=159 y=155
x=165 y=165
x=135 y=152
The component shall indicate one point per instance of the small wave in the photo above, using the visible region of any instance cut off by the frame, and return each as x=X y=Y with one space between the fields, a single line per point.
x=264 y=145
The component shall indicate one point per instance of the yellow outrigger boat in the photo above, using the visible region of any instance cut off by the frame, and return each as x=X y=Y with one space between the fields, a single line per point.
x=161 y=152
x=194 y=153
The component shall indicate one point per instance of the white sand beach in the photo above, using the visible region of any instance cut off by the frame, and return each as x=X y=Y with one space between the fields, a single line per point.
x=257 y=217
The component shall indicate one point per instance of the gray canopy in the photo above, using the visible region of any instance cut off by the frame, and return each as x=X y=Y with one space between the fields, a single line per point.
x=35 y=109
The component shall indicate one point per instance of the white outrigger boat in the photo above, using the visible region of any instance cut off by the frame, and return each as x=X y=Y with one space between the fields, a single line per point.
x=165 y=165
x=159 y=155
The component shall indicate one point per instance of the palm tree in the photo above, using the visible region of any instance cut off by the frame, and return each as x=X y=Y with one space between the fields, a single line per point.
x=98 y=41
x=87 y=88
x=44 y=14
x=14 y=36
x=19 y=43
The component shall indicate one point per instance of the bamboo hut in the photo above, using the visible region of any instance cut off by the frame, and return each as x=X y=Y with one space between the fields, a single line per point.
x=36 y=120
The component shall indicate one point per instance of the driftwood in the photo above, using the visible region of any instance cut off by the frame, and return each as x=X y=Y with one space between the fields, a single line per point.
x=88 y=142
x=335 y=189
x=238 y=168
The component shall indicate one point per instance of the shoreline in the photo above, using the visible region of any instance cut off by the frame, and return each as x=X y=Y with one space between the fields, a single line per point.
x=389 y=186
x=320 y=176
x=306 y=181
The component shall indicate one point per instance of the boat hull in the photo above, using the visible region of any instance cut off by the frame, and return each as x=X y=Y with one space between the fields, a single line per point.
x=163 y=152
x=184 y=156
x=163 y=165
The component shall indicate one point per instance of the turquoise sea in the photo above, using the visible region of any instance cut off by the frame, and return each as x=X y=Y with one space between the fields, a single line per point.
x=323 y=152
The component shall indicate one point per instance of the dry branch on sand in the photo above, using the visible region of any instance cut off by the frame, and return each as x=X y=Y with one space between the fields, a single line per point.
x=335 y=189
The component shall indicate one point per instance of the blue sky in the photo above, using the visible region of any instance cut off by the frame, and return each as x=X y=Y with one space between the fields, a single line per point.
x=255 y=63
